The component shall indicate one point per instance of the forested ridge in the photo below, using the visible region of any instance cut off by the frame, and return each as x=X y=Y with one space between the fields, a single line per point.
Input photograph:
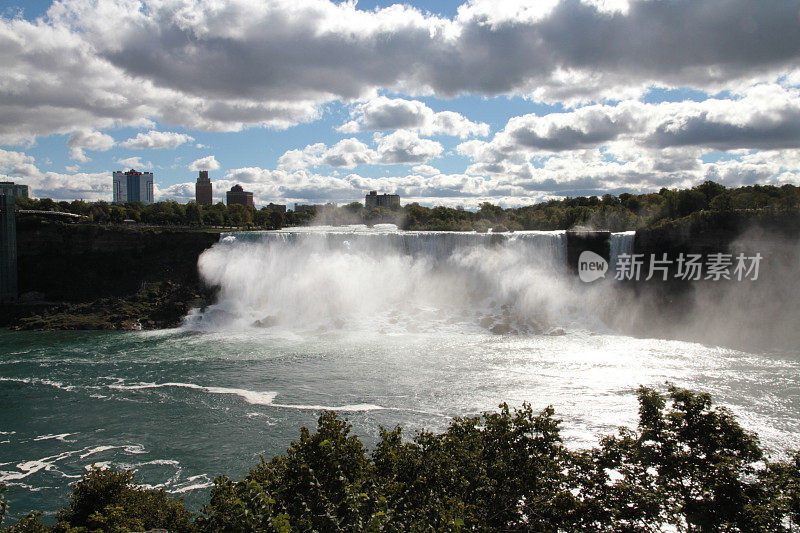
x=709 y=202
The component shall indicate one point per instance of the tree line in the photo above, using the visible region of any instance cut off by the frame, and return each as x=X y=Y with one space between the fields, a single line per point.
x=615 y=213
x=688 y=466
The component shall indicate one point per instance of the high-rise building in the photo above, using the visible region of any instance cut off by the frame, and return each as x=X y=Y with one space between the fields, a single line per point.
x=9 y=188
x=8 y=248
x=373 y=199
x=237 y=195
x=132 y=186
x=202 y=189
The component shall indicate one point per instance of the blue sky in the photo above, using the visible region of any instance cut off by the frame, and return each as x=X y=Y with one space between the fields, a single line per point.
x=506 y=101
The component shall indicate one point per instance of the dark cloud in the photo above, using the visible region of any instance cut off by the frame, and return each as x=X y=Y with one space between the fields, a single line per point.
x=703 y=130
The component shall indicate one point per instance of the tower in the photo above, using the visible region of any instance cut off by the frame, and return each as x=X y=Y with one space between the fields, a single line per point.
x=203 y=189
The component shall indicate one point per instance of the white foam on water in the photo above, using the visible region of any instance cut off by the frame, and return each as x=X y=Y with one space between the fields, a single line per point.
x=265 y=398
x=134 y=449
x=198 y=482
x=97 y=449
x=62 y=437
x=353 y=407
x=28 y=468
x=251 y=397
x=159 y=462
x=39 y=381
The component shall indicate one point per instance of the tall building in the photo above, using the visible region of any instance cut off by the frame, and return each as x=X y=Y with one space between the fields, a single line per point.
x=132 y=186
x=202 y=189
x=9 y=188
x=373 y=199
x=8 y=249
x=237 y=195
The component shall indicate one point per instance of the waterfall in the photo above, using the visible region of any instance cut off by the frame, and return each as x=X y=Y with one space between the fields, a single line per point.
x=435 y=245
x=382 y=279
x=620 y=243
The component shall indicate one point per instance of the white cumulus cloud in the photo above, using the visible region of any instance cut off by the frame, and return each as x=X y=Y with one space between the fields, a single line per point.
x=157 y=140
x=88 y=140
x=399 y=147
x=204 y=163
x=135 y=162
x=384 y=113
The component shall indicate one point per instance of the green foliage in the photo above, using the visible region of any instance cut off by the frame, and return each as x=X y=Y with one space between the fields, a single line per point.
x=240 y=506
x=3 y=503
x=167 y=213
x=32 y=523
x=688 y=466
x=497 y=471
x=322 y=482
x=109 y=501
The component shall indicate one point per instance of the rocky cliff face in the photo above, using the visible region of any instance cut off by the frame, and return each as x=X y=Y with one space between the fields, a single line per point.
x=84 y=262
x=97 y=277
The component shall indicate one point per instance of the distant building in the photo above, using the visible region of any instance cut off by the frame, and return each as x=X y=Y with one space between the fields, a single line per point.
x=373 y=199
x=276 y=207
x=9 y=188
x=8 y=248
x=132 y=186
x=237 y=195
x=312 y=208
x=202 y=189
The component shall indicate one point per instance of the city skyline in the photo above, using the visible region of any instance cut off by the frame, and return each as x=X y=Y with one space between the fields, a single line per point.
x=511 y=102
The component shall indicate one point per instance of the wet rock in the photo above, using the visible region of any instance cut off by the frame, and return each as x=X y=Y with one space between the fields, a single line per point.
x=501 y=329
x=266 y=322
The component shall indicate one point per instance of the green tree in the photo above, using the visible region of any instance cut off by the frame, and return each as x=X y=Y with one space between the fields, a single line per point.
x=3 y=503
x=194 y=214
x=109 y=501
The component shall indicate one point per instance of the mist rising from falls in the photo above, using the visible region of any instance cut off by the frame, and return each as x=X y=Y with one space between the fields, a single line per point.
x=388 y=281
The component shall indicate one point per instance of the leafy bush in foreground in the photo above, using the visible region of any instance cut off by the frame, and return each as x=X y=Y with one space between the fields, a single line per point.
x=688 y=466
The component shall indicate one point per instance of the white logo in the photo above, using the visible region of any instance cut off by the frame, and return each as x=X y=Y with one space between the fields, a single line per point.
x=591 y=266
